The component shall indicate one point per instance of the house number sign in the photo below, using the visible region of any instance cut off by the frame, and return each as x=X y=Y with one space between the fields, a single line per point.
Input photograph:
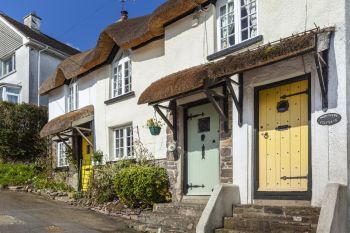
x=329 y=119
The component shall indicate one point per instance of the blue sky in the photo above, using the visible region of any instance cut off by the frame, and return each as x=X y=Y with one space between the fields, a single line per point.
x=76 y=22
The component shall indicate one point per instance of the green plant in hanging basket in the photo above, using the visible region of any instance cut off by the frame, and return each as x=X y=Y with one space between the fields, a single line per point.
x=154 y=126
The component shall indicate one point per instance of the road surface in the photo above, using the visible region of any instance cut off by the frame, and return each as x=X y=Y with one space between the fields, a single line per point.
x=28 y=213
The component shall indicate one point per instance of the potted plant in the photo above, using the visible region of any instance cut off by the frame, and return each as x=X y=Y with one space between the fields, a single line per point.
x=97 y=157
x=154 y=126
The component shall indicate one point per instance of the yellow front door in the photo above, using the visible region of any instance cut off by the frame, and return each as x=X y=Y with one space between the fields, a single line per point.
x=283 y=138
x=86 y=164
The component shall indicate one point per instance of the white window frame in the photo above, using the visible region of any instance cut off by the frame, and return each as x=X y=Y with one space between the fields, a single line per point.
x=72 y=96
x=5 y=94
x=121 y=82
x=236 y=22
x=121 y=139
x=5 y=70
x=62 y=155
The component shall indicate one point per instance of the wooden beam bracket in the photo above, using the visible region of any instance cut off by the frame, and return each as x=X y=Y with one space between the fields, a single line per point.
x=86 y=138
x=211 y=96
x=323 y=41
x=172 y=108
x=238 y=101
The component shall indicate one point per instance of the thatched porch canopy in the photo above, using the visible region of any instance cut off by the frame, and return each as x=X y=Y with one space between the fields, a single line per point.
x=126 y=34
x=66 y=121
x=192 y=79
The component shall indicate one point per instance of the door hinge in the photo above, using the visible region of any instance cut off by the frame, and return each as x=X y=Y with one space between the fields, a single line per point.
x=195 y=115
x=191 y=186
x=293 y=177
x=298 y=93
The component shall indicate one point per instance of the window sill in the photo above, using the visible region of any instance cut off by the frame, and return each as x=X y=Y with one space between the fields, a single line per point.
x=120 y=98
x=235 y=48
x=6 y=75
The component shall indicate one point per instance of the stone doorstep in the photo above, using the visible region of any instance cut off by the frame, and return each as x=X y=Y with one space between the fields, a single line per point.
x=303 y=219
x=277 y=210
x=262 y=225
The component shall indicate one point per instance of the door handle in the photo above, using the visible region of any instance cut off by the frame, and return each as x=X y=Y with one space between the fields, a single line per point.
x=203 y=151
x=265 y=135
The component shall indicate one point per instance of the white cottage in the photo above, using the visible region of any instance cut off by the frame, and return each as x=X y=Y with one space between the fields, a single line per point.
x=27 y=58
x=253 y=93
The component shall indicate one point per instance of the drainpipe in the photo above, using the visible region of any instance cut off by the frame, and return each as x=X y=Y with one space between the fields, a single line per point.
x=39 y=70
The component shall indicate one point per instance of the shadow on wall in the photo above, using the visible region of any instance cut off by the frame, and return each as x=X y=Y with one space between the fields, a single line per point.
x=332 y=77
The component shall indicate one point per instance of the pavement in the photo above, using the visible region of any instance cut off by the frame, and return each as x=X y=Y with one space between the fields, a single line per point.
x=29 y=213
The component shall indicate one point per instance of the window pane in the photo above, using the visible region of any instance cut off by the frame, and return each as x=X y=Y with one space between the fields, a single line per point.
x=232 y=40
x=230 y=18
x=244 y=34
x=244 y=12
x=253 y=20
x=230 y=7
x=252 y=31
x=244 y=23
x=231 y=29
x=13 y=99
x=223 y=21
x=252 y=8
x=222 y=10
x=223 y=43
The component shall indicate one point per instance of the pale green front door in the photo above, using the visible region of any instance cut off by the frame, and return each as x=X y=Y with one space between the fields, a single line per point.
x=202 y=150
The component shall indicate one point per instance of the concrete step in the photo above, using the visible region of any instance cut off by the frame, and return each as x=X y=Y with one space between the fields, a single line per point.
x=302 y=219
x=267 y=225
x=284 y=211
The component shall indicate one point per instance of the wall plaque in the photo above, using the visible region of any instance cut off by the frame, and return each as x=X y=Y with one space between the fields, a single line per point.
x=329 y=119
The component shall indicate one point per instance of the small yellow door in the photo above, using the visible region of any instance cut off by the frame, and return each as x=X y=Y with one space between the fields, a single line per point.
x=86 y=164
x=283 y=138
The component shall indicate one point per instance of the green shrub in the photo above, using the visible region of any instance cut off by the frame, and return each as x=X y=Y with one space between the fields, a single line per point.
x=20 y=125
x=44 y=182
x=142 y=186
x=101 y=187
x=17 y=174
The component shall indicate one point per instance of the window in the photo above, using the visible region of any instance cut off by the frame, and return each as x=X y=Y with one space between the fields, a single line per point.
x=237 y=21
x=8 y=65
x=62 y=160
x=10 y=94
x=123 y=139
x=72 y=97
x=121 y=81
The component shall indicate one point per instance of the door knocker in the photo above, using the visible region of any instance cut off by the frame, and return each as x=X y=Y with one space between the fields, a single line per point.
x=282 y=106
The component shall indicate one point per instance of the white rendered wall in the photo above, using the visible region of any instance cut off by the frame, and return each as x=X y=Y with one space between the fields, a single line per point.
x=147 y=67
x=21 y=75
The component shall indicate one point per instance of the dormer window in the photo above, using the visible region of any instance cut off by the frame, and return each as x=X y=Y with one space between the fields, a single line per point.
x=121 y=79
x=72 y=97
x=236 y=22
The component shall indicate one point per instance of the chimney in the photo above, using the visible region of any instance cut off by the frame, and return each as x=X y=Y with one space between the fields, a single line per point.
x=32 y=21
x=124 y=15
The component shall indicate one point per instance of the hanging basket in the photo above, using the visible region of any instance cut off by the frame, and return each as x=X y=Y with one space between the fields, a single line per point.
x=155 y=130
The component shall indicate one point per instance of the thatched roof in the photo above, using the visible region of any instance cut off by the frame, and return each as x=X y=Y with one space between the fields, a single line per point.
x=64 y=122
x=124 y=34
x=194 y=78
